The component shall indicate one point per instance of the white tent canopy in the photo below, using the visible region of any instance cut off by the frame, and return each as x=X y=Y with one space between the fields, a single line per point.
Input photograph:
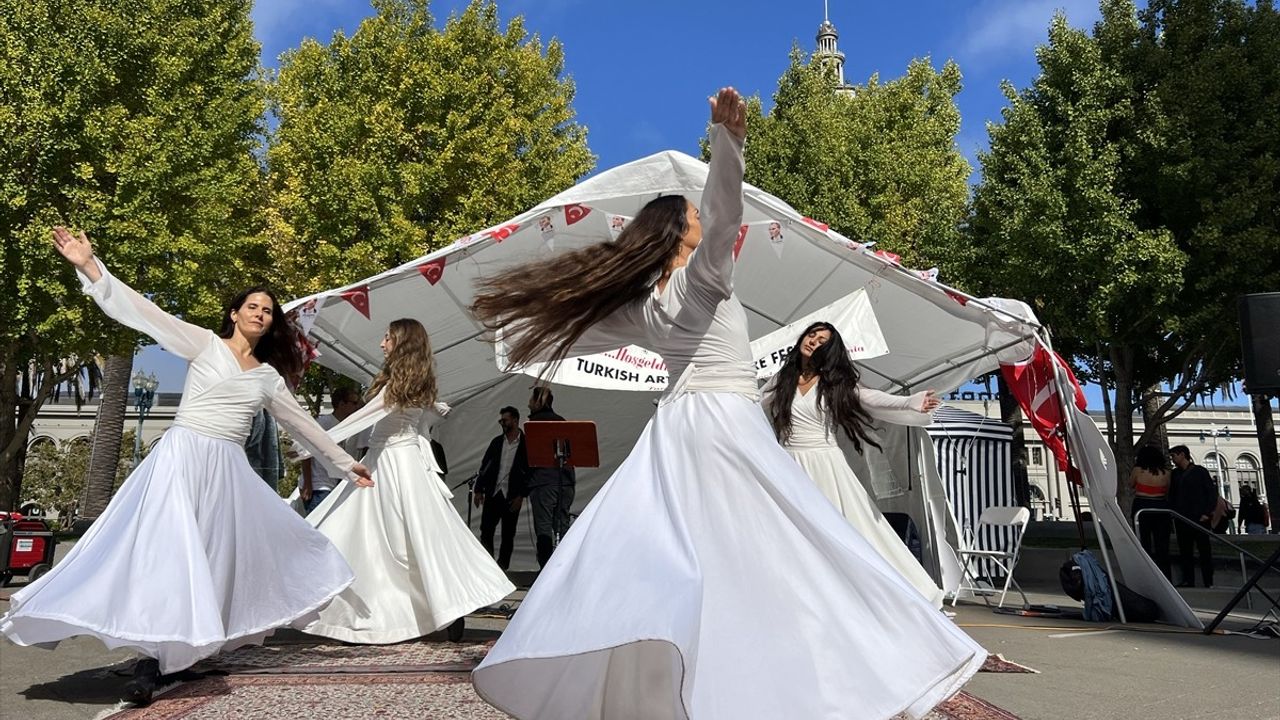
x=788 y=266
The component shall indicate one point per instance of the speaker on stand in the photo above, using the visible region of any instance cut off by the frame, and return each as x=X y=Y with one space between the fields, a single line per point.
x=1260 y=341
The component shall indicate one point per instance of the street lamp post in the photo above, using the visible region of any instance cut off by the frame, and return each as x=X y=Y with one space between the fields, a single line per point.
x=1217 y=456
x=144 y=392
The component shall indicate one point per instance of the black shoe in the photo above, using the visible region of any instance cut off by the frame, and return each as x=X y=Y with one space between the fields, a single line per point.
x=456 y=629
x=146 y=677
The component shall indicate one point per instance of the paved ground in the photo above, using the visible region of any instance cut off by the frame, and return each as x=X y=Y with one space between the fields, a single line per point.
x=1087 y=670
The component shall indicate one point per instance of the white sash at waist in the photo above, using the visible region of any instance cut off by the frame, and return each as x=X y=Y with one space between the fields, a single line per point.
x=716 y=379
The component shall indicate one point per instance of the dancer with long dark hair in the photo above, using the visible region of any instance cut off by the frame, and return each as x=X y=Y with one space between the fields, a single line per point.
x=812 y=399
x=708 y=578
x=194 y=554
x=418 y=567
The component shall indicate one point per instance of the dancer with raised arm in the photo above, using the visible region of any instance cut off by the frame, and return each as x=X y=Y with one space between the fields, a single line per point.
x=418 y=567
x=194 y=554
x=708 y=578
x=812 y=399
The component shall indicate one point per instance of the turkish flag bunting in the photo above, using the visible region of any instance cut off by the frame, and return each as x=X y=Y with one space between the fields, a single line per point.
x=502 y=233
x=359 y=299
x=894 y=258
x=574 y=213
x=957 y=297
x=433 y=270
x=1031 y=382
x=737 y=244
x=820 y=225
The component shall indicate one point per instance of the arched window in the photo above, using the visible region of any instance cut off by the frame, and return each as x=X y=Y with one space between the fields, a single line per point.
x=43 y=440
x=1248 y=472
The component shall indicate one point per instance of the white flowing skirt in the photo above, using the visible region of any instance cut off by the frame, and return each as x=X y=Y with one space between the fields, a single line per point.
x=833 y=476
x=710 y=579
x=194 y=555
x=418 y=567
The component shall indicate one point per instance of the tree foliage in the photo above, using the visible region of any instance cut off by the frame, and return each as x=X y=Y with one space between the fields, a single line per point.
x=401 y=137
x=879 y=164
x=135 y=120
x=1130 y=194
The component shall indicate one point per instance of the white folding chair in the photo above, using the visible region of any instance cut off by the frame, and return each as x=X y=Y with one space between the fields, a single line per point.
x=996 y=516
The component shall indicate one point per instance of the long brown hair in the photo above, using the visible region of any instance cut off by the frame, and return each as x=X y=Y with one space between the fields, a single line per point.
x=553 y=303
x=409 y=374
x=837 y=389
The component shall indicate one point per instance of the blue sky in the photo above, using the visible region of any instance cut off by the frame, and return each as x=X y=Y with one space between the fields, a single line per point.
x=644 y=69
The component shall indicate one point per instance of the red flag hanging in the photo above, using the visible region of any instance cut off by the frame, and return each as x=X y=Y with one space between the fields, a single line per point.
x=359 y=299
x=737 y=244
x=574 y=213
x=957 y=297
x=502 y=233
x=433 y=270
x=1032 y=383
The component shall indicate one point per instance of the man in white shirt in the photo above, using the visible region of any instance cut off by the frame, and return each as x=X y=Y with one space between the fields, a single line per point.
x=316 y=482
x=500 y=485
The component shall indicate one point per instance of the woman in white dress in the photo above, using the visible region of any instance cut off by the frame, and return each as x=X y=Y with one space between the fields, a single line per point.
x=194 y=554
x=418 y=567
x=708 y=578
x=814 y=397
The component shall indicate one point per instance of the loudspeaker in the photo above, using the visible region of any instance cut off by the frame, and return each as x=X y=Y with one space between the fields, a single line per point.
x=1260 y=338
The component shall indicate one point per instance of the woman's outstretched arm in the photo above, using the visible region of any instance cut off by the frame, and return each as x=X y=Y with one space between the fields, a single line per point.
x=124 y=305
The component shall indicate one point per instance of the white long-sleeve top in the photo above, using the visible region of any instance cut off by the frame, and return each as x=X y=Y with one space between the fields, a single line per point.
x=393 y=427
x=811 y=427
x=695 y=322
x=219 y=398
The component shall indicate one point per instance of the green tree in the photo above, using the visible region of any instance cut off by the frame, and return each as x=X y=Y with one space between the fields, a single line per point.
x=135 y=120
x=401 y=137
x=1129 y=196
x=54 y=476
x=878 y=164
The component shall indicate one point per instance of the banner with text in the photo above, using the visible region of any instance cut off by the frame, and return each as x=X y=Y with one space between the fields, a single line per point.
x=637 y=369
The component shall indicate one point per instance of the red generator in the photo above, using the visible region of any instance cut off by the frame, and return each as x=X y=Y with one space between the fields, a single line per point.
x=26 y=548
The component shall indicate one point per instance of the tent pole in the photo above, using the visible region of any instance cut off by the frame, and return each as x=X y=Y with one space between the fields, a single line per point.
x=1064 y=408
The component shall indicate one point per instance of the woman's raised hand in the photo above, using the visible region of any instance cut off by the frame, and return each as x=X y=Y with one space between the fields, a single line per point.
x=75 y=248
x=729 y=109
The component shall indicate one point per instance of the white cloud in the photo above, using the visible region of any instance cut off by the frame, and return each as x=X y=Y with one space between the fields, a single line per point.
x=997 y=29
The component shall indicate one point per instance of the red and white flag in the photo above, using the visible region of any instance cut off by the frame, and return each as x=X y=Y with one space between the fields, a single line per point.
x=359 y=299
x=433 y=270
x=1032 y=383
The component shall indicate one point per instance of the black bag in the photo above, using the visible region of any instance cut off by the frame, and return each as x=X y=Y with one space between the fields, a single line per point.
x=1072 y=580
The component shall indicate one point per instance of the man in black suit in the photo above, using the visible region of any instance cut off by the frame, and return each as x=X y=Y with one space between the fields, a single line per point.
x=550 y=489
x=500 y=486
x=1194 y=495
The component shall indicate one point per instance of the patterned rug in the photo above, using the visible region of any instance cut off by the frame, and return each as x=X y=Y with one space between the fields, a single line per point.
x=997 y=664
x=410 y=680
x=417 y=656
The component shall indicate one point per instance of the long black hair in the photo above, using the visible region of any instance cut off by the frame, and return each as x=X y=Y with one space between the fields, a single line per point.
x=837 y=389
x=279 y=346
x=1151 y=458
x=556 y=306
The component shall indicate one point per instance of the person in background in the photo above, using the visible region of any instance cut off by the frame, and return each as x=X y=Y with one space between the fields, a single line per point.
x=1193 y=495
x=1150 y=481
x=315 y=485
x=500 y=485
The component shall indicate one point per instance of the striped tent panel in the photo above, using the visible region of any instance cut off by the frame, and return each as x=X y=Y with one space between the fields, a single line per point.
x=974 y=460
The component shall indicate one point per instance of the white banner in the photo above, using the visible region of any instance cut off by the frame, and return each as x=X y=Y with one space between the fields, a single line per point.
x=637 y=369
x=851 y=315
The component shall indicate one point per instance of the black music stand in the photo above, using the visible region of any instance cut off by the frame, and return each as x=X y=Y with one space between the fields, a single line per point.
x=561 y=443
